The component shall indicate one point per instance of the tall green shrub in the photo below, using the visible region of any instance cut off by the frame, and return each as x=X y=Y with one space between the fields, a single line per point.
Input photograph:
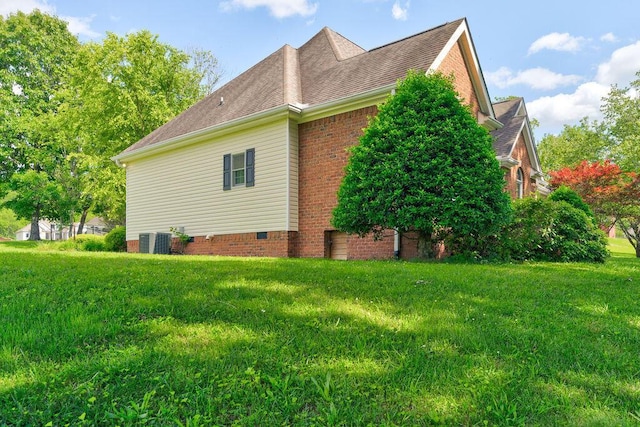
x=548 y=230
x=423 y=165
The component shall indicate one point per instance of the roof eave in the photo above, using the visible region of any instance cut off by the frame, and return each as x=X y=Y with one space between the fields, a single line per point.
x=349 y=103
x=469 y=52
x=491 y=124
x=246 y=122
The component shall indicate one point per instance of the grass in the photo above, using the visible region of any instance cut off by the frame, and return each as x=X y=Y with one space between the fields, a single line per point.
x=123 y=339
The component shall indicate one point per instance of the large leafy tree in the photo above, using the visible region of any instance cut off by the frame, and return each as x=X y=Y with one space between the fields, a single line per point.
x=621 y=111
x=613 y=195
x=615 y=138
x=424 y=165
x=584 y=141
x=34 y=194
x=600 y=159
x=123 y=89
x=36 y=55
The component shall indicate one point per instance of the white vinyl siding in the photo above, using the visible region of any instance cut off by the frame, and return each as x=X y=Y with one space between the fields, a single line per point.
x=183 y=187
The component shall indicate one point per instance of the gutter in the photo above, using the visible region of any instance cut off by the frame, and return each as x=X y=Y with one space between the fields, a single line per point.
x=199 y=135
x=348 y=103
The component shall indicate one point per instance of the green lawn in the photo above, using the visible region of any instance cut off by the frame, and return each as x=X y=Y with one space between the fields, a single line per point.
x=123 y=339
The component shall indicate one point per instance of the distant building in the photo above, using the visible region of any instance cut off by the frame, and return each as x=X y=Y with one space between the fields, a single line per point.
x=55 y=231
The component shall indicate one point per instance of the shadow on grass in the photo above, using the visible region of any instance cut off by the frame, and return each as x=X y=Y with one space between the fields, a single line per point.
x=275 y=341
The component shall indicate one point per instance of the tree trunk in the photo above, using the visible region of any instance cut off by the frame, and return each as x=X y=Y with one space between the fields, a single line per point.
x=426 y=245
x=35 y=225
x=83 y=219
x=631 y=231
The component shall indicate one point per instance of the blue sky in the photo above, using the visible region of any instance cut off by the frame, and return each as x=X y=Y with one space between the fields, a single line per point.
x=560 y=55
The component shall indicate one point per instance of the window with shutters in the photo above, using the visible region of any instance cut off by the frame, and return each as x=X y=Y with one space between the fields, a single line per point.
x=238 y=170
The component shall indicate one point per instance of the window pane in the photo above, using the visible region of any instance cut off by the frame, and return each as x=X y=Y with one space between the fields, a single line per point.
x=238 y=169
x=238 y=161
x=238 y=177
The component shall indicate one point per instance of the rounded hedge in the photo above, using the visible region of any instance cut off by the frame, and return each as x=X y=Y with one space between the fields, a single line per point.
x=116 y=239
x=564 y=193
x=548 y=230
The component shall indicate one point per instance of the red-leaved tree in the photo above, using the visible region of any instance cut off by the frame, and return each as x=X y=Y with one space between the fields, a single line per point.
x=613 y=195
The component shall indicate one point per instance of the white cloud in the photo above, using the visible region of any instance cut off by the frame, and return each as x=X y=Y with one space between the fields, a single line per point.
x=398 y=12
x=569 y=108
x=535 y=78
x=81 y=26
x=609 y=37
x=564 y=42
x=26 y=6
x=621 y=67
x=77 y=25
x=277 y=8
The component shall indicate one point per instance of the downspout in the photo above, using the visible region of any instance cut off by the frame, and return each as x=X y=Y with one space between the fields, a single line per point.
x=396 y=244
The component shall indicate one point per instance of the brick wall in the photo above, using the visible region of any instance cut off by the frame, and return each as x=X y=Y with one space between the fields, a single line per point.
x=454 y=64
x=323 y=156
x=521 y=154
x=133 y=246
x=277 y=244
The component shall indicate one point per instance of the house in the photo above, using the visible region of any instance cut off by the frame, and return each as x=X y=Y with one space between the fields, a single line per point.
x=253 y=169
x=516 y=151
x=55 y=231
x=45 y=231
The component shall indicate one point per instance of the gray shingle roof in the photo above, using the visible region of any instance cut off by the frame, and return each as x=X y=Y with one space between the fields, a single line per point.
x=506 y=113
x=326 y=68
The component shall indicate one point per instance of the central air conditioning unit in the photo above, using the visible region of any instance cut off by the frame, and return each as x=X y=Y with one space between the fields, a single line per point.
x=155 y=243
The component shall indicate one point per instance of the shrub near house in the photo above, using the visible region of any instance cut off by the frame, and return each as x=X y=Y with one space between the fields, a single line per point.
x=548 y=230
x=411 y=171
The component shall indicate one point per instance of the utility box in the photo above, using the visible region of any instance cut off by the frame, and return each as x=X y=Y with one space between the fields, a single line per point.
x=162 y=243
x=154 y=243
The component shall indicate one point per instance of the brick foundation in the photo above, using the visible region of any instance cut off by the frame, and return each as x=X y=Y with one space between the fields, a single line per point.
x=277 y=244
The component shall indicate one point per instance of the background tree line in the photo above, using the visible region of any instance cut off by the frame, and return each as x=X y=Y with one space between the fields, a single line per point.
x=600 y=160
x=67 y=107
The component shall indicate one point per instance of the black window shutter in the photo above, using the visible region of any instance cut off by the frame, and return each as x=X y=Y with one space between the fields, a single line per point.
x=226 y=172
x=250 y=159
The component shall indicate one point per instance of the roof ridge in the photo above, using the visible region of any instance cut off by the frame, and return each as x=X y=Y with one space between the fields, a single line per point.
x=457 y=21
x=342 y=47
x=516 y=98
x=292 y=86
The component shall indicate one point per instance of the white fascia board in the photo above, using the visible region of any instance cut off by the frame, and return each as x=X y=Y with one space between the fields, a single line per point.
x=343 y=105
x=200 y=135
x=531 y=146
x=543 y=188
x=471 y=59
